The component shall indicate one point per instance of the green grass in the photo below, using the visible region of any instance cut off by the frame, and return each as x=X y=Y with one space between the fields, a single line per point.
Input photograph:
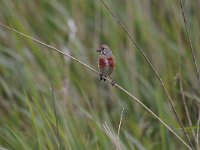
x=83 y=103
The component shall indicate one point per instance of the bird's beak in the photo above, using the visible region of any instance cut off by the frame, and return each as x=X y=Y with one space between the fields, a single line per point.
x=98 y=50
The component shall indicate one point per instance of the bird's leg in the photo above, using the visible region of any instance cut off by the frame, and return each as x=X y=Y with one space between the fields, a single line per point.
x=113 y=82
x=104 y=79
x=101 y=77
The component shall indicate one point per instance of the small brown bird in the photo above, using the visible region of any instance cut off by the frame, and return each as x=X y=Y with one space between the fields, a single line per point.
x=106 y=62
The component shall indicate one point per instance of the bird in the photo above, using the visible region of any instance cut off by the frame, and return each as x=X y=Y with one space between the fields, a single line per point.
x=106 y=62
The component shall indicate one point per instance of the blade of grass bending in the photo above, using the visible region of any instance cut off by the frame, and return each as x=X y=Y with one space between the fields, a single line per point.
x=7 y=143
x=185 y=105
x=191 y=50
x=190 y=42
x=30 y=108
x=17 y=138
x=98 y=73
x=54 y=105
x=152 y=68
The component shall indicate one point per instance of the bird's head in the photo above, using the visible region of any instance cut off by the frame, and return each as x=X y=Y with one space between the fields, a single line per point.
x=104 y=50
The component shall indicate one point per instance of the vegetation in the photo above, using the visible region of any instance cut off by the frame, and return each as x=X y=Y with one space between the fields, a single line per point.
x=34 y=80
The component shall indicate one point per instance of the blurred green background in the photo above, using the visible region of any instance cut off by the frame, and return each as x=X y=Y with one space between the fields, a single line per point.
x=32 y=76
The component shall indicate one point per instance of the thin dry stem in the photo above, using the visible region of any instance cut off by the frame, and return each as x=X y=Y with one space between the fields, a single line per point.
x=151 y=112
x=184 y=101
x=119 y=127
x=152 y=68
x=116 y=140
x=116 y=85
x=190 y=42
x=191 y=49
x=186 y=108
x=109 y=133
x=120 y=123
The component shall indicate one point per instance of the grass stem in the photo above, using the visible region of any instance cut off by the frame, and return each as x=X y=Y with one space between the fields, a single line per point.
x=152 y=68
x=93 y=70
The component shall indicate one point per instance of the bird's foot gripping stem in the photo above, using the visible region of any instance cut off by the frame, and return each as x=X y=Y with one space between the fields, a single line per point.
x=102 y=77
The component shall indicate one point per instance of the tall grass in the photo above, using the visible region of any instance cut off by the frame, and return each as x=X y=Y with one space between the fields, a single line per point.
x=83 y=103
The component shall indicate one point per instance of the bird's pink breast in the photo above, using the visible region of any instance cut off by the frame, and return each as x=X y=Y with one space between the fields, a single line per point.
x=106 y=65
x=111 y=61
x=102 y=62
